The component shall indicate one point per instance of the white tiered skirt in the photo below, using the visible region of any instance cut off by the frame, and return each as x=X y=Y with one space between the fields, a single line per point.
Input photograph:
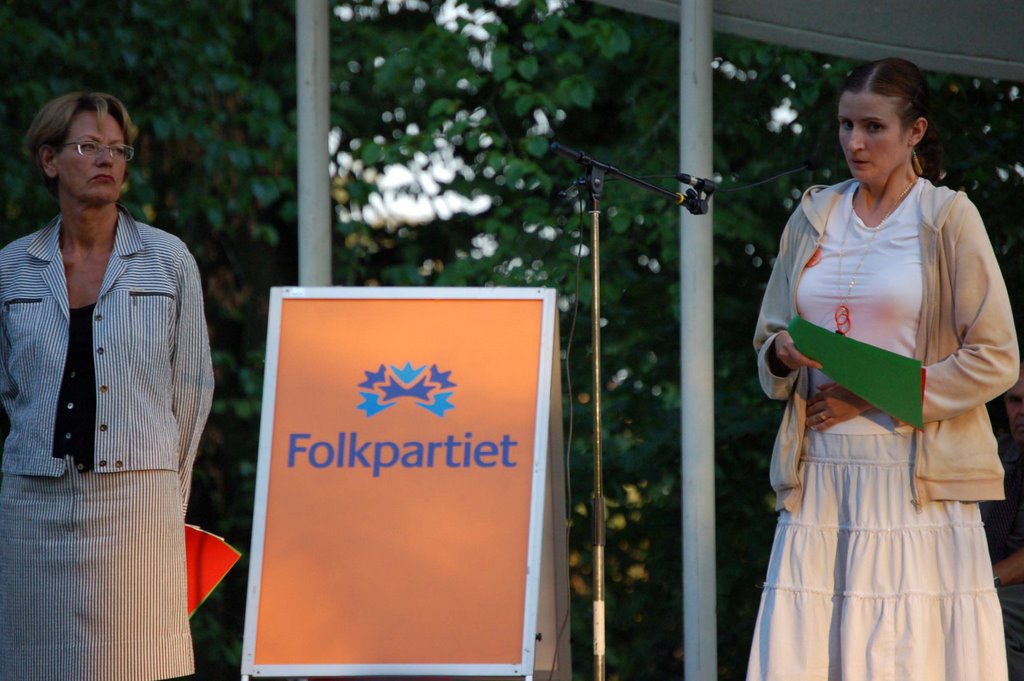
x=863 y=586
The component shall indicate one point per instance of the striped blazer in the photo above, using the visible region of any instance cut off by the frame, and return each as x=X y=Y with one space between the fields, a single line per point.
x=151 y=350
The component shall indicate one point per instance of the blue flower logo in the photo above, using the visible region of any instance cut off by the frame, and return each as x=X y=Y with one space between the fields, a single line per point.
x=429 y=389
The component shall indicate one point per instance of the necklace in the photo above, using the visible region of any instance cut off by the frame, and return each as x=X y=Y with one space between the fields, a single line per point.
x=842 y=314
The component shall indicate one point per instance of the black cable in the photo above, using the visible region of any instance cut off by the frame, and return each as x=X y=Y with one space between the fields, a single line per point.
x=563 y=626
x=810 y=164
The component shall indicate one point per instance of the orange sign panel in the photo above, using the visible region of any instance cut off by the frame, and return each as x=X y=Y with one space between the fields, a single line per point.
x=398 y=493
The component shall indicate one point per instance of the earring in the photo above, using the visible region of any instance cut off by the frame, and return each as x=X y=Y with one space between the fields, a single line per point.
x=916 y=162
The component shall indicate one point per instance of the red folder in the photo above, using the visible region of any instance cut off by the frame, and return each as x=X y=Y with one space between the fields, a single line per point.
x=208 y=559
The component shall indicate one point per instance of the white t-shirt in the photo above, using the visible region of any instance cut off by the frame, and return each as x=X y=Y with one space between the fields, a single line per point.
x=884 y=302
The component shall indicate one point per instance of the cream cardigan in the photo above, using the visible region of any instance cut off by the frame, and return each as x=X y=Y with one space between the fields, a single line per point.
x=966 y=340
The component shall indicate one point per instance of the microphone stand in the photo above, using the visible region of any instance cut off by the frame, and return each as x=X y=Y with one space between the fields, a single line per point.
x=696 y=201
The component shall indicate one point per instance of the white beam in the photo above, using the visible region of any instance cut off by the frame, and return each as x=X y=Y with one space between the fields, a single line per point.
x=697 y=351
x=312 y=59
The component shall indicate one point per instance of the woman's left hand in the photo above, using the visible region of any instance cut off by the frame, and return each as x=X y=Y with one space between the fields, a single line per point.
x=833 y=404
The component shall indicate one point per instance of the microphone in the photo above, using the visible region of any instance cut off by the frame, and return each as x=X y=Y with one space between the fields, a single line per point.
x=698 y=183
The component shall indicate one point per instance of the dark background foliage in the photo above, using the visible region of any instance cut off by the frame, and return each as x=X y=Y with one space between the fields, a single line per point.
x=466 y=99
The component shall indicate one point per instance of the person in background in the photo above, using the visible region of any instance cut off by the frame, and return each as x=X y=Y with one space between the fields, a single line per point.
x=1004 y=529
x=878 y=569
x=106 y=379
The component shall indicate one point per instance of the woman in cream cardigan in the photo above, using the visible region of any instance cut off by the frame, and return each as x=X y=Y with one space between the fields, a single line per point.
x=879 y=567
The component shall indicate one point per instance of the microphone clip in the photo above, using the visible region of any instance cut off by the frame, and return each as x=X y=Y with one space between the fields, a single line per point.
x=698 y=195
x=696 y=202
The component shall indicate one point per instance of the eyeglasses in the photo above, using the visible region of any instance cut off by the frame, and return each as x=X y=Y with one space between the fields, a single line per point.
x=120 y=152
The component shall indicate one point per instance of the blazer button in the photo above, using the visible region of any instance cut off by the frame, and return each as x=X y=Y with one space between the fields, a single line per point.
x=118 y=464
x=99 y=318
x=103 y=427
x=103 y=462
x=104 y=389
x=99 y=351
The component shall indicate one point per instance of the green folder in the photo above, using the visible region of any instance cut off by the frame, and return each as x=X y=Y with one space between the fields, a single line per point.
x=891 y=382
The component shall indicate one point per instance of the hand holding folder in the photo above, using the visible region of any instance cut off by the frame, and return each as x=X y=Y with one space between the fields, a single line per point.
x=891 y=382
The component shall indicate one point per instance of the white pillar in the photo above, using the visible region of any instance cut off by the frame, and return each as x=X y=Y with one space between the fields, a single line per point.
x=697 y=351
x=312 y=59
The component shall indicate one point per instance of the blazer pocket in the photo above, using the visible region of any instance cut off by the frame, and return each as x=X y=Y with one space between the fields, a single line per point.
x=153 y=315
x=25 y=330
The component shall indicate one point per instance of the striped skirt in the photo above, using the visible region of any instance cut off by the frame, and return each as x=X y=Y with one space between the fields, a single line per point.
x=863 y=586
x=92 y=578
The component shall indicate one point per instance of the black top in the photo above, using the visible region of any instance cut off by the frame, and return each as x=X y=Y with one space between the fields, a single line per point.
x=74 y=433
x=1004 y=519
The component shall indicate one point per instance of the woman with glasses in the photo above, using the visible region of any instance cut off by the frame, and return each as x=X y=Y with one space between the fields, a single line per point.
x=106 y=379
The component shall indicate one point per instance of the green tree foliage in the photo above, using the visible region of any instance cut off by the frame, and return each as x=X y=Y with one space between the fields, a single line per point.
x=487 y=91
x=442 y=115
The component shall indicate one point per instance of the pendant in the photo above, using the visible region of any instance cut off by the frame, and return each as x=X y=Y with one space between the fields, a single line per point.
x=842 y=316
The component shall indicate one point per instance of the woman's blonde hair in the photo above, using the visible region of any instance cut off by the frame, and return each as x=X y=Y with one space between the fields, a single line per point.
x=50 y=126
